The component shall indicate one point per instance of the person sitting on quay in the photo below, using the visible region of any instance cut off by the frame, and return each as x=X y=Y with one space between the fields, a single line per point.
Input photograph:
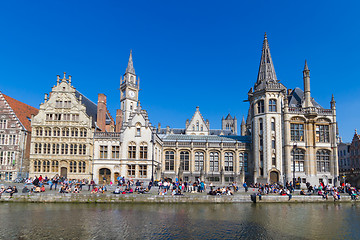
x=76 y=189
x=117 y=190
x=128 y=190
x=2 y=190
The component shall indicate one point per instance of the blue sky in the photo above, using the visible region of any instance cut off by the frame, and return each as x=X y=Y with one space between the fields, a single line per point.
x=187 y=53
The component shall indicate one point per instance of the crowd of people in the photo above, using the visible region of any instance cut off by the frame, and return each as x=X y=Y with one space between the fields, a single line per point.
x=178 y=187
x=323 y=190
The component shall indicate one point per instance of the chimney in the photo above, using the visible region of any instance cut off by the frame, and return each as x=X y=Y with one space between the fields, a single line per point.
x=119 y=118
x=101 y=112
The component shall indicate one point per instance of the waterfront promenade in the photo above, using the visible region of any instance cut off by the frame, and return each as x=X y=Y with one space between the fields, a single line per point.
x=85 y=196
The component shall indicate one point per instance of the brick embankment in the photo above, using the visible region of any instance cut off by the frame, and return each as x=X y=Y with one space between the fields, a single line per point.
x=150 y=198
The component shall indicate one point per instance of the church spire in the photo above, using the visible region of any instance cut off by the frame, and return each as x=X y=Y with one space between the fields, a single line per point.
x=130 y=66
x=266 y=70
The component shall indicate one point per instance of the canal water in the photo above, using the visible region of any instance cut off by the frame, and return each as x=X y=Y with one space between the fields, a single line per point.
x=179 y=221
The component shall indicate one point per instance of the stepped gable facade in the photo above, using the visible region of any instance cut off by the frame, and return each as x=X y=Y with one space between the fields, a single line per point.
x=15 y=136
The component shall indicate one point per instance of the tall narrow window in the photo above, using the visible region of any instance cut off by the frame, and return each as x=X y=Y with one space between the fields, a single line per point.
x=185 y=160
x=260 y=106
x=131 y=171
x=132 y=150
x=272 y=124
x=199 y=161
x=298 y=160
x=115 y=152
x=55 y=166
x=169 y=160
x=323 y=160
x=322 y=133
x=228 y=162
x=297 y=132
x=142 y=171
x=103 y=152
x=143 y=151
x=214 y=161
x=3 y=123
x=272 y=105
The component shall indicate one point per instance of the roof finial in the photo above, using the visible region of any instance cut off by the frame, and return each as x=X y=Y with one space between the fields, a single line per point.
x=64 y=75
x=265 y=36
x=355 y=131
x=306 y=66
x=130 y=66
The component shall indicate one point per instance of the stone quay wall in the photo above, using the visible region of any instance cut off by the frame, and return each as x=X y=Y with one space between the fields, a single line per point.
x=148 y=198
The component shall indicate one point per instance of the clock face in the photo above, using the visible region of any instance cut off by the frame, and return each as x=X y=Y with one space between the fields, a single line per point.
x=131 y=93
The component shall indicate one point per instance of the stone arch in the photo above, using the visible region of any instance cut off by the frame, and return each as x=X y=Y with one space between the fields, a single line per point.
x=274 y=175
x=104 y=175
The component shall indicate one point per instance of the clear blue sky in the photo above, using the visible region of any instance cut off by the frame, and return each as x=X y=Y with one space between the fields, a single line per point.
x=187 y=53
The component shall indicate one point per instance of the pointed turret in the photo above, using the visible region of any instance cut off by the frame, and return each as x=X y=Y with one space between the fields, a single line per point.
x=266 y=70
x=130 y=66
x=332 y=102
x=243 y=127
x=307 y=96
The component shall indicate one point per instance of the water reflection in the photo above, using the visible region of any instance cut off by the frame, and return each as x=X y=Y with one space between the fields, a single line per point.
x=179 y=221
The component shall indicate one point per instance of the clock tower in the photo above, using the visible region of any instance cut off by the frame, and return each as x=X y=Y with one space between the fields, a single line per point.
x=129 y=90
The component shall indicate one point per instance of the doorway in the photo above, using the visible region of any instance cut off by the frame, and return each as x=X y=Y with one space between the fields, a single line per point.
x=116 y=175
x=274 y=177
x=104 y=176
x=63 y=172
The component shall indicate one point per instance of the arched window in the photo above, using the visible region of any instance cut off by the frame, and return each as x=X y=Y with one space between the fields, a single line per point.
x=197 y=125
x=228 y=162
x=56 y=132
x=55 y=166
x=272 y=124
x=199 y=161
x=169 y=160
x=72 y=166
x=143 y=151
x=299 y=158
x=2 y=158
x=132 y=150
x=185 y=160
x=37 y=166
x=46 y=166
x=138 y=130
x=260 y=106
x=47 y=132
x=323 y=161
x=82 y=167
x=65 y=132
x=83 y=132
x=214 y=161
x=272 y=105
x=322 y=133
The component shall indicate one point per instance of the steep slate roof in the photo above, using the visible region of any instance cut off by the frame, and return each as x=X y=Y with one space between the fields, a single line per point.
x=23 y=111
x=203 y=138
x=91 y=108
x=296 y=97
x=228 y=117
x=182 y=131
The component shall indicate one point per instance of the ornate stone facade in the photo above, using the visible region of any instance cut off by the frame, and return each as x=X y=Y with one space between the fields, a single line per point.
x=292 y=135
x=62 y=140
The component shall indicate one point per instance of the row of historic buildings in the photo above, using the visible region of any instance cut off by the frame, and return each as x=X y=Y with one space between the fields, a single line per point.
x=286 y=135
